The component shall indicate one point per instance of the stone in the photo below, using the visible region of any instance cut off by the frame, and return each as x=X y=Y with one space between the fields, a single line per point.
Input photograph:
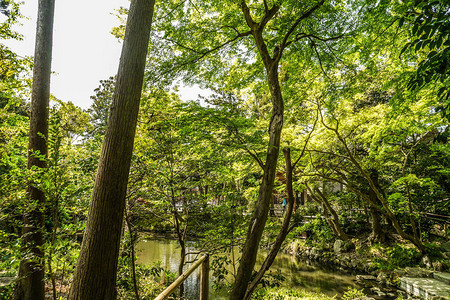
x=365 y=278
x=445 y=247
x=426 y=261
x=391 y=295
x=441 y=276
x=381 y=294
x=5 y=281
x=383 y=277
x=338 y=246
x=426 y=288
x=417 y=272
x=314 y=252
x=439 y=266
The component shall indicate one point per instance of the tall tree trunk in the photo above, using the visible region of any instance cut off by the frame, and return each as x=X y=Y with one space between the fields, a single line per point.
x=95 y=275
x=31 y=272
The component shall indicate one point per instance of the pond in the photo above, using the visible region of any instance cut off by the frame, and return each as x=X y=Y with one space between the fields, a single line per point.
x=297 y=273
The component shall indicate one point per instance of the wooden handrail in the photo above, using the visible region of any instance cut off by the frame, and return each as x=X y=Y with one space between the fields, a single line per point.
x=204 y=279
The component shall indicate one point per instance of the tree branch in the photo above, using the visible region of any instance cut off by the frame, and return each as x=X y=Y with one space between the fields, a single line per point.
x=284 y=43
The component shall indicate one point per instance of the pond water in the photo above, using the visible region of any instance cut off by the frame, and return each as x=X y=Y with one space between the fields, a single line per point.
x=297 y=273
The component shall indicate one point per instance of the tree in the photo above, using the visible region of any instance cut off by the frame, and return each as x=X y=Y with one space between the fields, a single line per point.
x=31 y=273
x=99 y=110
x=431 y=41
x=243 y=45
x=96 y=270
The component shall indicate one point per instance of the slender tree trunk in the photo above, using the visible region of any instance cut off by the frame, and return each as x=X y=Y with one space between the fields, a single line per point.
x=385 y=210
x=31 y=272
x=96 y=272
x=133 y=255
x=181 y=264
x=259 y=218
x=378 y=234
x=284 y=227
x=333 y=221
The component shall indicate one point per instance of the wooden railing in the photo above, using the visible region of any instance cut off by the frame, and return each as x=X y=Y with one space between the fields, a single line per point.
x=204 y=279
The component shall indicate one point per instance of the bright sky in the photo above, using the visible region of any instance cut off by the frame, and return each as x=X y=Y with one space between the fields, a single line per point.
x=84 y=51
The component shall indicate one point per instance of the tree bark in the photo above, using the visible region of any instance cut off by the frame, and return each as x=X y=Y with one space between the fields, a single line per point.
x=328 y=210
x=271 y=64
x=96 y=272
x=377 y=232
x=259 y=218
x=284 y=227
x=31 y=272
x=385 y=210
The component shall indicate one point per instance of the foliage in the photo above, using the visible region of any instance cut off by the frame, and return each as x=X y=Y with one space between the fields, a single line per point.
x=317 y=230
x=397 y=256
x=288 y=294
x=353 y=294
x=431 y=41
x=199 y=163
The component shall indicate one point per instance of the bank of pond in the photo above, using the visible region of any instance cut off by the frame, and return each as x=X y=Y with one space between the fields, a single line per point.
x=288 y=271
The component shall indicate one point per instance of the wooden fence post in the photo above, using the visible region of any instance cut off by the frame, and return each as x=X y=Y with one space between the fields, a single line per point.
x=204 y=279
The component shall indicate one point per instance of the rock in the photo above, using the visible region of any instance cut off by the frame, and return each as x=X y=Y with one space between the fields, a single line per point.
x=383 y=278
x=445 y=247
x=426 y=261
x=381 y=294
x=5 y=281
x=391 y=295
x=417 y=272
x=338 y=246
x=439 y=266
x=341 y=246
x=365 y=278
x=314 y=252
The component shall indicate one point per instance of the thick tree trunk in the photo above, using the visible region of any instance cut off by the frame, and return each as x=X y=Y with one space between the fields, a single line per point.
x=31 y=272
x=95 y=275
x=259 y=218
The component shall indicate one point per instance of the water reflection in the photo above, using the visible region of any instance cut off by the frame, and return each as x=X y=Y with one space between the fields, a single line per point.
x=297 y=273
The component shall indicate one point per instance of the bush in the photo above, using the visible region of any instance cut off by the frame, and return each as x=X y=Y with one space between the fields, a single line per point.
x=288 y=294
x=398 y=256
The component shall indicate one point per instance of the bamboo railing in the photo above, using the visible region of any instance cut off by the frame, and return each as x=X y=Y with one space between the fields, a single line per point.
x=204 y=279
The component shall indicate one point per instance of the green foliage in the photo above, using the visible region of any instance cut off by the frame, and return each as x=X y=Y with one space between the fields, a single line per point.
x=431 y=40
x=353 y=294
x=397 y=256
x=288 y=294
x=319 y=232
